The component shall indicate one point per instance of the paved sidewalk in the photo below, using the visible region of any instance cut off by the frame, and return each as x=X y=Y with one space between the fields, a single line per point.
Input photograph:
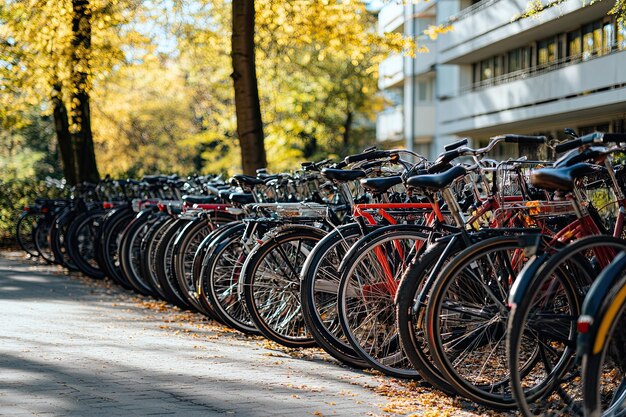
x=70 y=346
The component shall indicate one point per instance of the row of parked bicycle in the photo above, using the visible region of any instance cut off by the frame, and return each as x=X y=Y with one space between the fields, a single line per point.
x=503 y=282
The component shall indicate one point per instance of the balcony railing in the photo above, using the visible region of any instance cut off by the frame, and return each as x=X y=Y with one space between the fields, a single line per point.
x=473 y=9
x=538 y=69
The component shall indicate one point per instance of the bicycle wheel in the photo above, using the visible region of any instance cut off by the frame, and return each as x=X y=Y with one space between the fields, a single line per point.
x=82 y=238
x=185 y=247
x=24 y=232
x=465 y=319
x=42 y=239
x=164 y=269
x=318 y=293
x=148 y=252
x=196 y=270
x=58 y=237
x=113 y=225
x=367 y=290
x=271 y=284
x=603 y=345
x=411 y=301
x=130 y=251
x=541 y=331
x=219 y=279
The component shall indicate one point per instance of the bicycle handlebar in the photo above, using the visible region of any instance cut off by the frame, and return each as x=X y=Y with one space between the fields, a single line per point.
x=595 y=137
x=569 y=145
x=457 y=144
x=525 y=139
x=366 y=156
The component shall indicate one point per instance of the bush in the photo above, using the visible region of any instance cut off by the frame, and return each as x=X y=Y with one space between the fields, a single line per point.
x=14 y=195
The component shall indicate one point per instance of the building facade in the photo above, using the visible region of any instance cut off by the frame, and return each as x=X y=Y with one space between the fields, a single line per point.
x=496 y=73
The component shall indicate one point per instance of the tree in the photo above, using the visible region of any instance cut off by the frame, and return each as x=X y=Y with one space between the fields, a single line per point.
x=247 y=105
x=60 y=47
x=64 y=137
x=84 y=157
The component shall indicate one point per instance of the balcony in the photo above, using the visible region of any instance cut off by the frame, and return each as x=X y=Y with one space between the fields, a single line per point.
x=389 y=125
x=391 y=18
x=487 y=28
x=424 y=116
x=571 y=91
x=391 y=72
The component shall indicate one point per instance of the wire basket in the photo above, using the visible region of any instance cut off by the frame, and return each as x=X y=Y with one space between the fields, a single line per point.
x=512 y=178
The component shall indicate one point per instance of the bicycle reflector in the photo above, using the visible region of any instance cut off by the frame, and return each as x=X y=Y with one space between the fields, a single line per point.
x=107 y=205
x=584 y=324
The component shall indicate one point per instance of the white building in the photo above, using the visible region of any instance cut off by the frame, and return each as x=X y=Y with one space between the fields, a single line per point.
x=565 y=67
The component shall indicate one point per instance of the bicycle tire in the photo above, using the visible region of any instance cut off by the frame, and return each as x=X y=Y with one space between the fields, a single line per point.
x=286 y=325
x=219 y=279
x=187 y=243
x=462 y=279
x=82 y=238
x=575 y=274
x=365 y=296
x=318 y=293
x=164 y=268
x=24 y=232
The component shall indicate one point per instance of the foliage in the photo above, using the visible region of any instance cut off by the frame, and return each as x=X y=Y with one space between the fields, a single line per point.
x=619 y=10
x=38 y=41
x=27 y=148
x=317 y=69
x=535 y=7
x=160 y=86
x=15 y=194
x=140 y=130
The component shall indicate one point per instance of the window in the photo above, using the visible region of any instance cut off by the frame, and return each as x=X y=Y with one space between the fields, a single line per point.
x=486 y=69
x=497 y=66
x=621 y=35
x=546 y=51
x=592 y=39
x=608 y=39
x=526 y=61
x=514 y=59
x=599 y=37
x=424 y=91
x=574 y=48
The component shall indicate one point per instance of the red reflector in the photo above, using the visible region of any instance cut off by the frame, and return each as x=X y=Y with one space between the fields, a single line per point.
x=584 y=324
x=26 y=208
x=107 y=205
x=44 y=210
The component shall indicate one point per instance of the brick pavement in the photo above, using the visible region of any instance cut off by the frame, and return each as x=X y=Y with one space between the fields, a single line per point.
x=73 y=347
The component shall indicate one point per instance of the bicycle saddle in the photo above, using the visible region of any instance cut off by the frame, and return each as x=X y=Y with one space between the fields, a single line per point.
x=343 y=175
x=437 y=181
x=199 y=199
x=154 y=179
x=248 y=180
x=225 y=194
x=576 y=156
x=380 y=185
x=242 y=198
x=562 y=179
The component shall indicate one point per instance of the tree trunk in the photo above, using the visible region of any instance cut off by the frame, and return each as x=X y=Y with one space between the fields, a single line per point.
x=64 y=138
x=84 y=154
x=247 y=105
